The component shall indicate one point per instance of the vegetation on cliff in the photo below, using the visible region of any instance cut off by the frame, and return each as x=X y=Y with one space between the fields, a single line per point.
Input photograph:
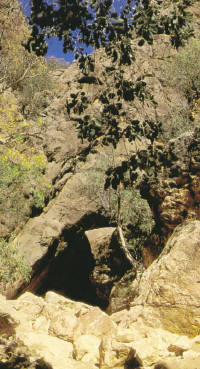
x=121 y=89
x=25 y=84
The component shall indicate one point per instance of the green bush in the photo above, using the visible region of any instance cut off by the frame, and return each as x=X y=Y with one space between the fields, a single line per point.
x=34 y=90
x=12 y=265
x=21 y=186
x=135 y=214
x=183 y=71
x=22 y=71
x=179 y=122
x=22 y=167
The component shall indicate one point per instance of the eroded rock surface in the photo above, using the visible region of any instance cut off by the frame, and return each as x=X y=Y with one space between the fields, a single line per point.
x=168 y=291
x=174 y=195
x=110 y=261
x=60 y=333
x=160 y=329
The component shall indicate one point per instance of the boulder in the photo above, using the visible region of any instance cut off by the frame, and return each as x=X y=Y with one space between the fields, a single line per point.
x=8 y=319
x=115 y=354
x=110 y=261
x=169 y=290
x=40 y=237
x=63 y=332
x=192 y=362
x=91 y=339
x=63 y=319
x=123 y=292
x=52 y=349
x=86 y=348
x=94 y=322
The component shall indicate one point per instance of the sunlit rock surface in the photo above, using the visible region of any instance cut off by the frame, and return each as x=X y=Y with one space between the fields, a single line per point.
x=161 y=329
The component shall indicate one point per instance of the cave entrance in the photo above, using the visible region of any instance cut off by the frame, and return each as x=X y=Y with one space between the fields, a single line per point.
x=68 y=266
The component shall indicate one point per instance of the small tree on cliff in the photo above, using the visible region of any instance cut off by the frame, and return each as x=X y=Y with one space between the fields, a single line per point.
x=96 y=23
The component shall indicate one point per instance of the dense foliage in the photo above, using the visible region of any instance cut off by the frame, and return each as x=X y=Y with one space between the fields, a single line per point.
x=149 y=18
x=118 y=34
x=97 y=23
x=13 y=265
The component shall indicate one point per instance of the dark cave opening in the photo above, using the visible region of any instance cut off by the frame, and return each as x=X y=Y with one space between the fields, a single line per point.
x=69 y=273
x=67 y=267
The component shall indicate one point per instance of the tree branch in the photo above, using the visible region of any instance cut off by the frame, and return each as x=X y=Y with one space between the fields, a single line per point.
x=125 y=249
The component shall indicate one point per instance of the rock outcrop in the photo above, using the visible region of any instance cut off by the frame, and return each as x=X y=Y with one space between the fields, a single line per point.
x=160 y=330
x=174 y=195
x=167 y=295
x=110 y=261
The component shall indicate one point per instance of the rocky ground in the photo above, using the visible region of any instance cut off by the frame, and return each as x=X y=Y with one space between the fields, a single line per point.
x=159 y=330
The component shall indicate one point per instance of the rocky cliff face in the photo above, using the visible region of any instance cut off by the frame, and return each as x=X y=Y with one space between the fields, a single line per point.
x=71 y=242
x=75 y=207
x=175 y=197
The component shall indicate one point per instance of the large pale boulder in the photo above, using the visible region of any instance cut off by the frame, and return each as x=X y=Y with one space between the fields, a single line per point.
x=57 y=327
x=171 y=363
x=117 y=355
x=8 y=319
x=86 y=348
x=95 y=322
x=30 y=323
x=52 y=349
x=62 y=314
x=142 y=346
x=169 y=290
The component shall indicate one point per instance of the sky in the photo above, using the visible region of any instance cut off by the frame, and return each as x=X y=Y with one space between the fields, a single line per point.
x=54 y=45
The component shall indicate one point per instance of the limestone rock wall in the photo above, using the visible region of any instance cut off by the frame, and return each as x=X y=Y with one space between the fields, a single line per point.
x=174 y=195
x=168 y=291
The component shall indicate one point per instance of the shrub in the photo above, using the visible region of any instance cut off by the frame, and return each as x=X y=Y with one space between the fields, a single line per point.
x=34 y=89
x=135 y=213
x=12 y=265
x=179 y=122
x=14 y=31
x=183 y=71
x=20 y=70
x=21 y=166
x=21 y=185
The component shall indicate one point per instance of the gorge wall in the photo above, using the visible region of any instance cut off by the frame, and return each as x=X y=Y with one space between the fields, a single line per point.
x=104 y=311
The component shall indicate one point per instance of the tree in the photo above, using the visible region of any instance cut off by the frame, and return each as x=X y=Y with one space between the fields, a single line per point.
x=92 y=22
x=95 y=23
